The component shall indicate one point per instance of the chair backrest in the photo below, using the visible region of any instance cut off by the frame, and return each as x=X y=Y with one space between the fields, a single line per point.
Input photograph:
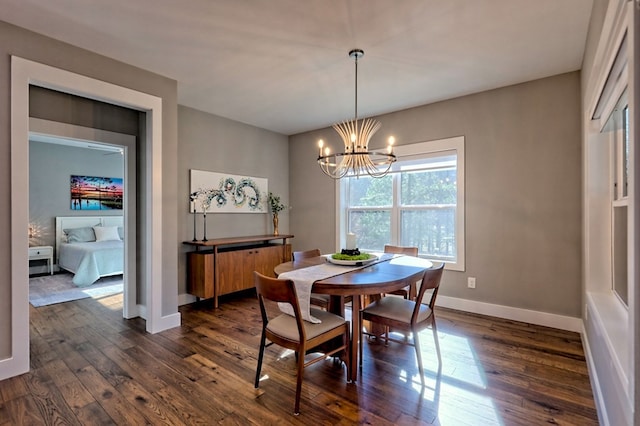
x=277 y=290
x=297 y=255
x=409 y=251
x=430 y=280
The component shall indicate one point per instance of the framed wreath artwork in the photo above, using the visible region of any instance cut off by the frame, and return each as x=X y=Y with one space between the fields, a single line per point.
x=213 y=192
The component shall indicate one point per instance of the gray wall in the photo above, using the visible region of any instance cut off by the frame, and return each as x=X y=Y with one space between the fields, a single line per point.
x=523 y=190
x=50 y=167
x=65 y=108
x=26 y=44
x=216 y=144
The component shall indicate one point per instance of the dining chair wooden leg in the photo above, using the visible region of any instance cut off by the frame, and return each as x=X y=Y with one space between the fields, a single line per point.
x=434 y=329
x=416 y=343
x=260 y=356
x=346 y=355
x=296 y=410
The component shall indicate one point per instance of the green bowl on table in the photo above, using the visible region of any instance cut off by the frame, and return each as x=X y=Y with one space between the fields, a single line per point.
x=351 y=259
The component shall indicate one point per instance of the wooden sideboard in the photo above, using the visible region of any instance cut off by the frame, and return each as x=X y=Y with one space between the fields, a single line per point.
x=225 y=265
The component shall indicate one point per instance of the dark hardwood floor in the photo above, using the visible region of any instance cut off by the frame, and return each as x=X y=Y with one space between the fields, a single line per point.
x=89 y=366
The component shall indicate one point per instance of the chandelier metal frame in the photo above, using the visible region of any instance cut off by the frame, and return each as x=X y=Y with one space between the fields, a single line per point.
x=356 y=160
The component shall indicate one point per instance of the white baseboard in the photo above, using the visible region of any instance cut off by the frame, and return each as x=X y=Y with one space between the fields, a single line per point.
x=165 y=323
x=517 y=314
x=142 y=311
x=11 y=367
x=601 y=407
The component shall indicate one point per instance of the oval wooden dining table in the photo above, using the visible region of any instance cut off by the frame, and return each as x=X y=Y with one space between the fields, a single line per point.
x=389 y=273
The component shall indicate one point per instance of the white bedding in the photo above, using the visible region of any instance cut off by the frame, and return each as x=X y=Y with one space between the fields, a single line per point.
x=92 y=260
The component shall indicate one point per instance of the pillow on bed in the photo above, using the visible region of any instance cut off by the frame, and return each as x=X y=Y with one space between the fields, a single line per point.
x=80 y=235
x=106 y=233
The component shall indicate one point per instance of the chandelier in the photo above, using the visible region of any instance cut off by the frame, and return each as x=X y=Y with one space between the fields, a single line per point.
x=356 y=160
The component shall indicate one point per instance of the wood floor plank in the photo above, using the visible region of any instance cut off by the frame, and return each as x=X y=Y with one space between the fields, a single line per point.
x=90 y=366
x=175 y=398
x=50 y=403
x=120 y=410
x=22 y=411
x=13 y=388
x=94 y=414
x=186 y=380
x=76 y=396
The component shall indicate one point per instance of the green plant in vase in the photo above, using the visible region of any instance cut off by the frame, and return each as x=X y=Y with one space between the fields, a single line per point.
x=276 y=206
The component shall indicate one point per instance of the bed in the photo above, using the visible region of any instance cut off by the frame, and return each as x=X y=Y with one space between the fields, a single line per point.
x=90 y=247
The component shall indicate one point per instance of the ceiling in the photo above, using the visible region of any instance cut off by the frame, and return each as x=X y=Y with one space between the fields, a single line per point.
x=283 y=65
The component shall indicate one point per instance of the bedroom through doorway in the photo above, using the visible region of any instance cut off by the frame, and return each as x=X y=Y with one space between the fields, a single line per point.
x=62 y=158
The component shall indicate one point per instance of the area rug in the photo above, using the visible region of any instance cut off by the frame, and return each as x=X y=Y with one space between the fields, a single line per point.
x=58 y=288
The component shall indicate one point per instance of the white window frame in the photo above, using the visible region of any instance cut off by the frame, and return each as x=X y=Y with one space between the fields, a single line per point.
x=619 y=193
x=428 y=149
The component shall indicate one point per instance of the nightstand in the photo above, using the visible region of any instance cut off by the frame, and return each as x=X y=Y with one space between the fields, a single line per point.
x=42 y=252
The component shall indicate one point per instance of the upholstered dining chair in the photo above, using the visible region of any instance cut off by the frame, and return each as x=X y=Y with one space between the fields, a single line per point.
x=408 y=315
x=292 y=332
x=408 y=292
x=319 y=300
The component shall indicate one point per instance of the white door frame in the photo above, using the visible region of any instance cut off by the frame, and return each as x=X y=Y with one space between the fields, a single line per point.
x=24 y=73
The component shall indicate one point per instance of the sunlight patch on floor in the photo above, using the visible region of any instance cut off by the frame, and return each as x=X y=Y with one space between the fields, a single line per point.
x=458 y=391
x=112 y=302
x=286 y=353
x=464 y=361
x=459 y=406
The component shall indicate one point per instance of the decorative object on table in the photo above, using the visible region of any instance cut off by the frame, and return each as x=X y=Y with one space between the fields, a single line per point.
x=276 y=207
x=352 y=258
x=356 y=160
x=204 y=226
x=205 y=196
x=96 y=193
x=231 y=193
x=36 y=234
x=192 y=198
x=351 y=241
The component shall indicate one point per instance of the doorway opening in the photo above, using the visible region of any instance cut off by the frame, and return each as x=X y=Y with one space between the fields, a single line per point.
x=60 y=154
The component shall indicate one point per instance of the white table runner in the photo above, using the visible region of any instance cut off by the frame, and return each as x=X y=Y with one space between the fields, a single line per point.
x=303 y=280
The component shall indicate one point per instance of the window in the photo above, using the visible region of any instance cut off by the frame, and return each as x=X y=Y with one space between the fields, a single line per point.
x=617 y=128
x=612 y=111
x=419 y=203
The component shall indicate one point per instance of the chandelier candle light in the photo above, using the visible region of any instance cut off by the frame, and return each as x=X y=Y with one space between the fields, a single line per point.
x=356 y=159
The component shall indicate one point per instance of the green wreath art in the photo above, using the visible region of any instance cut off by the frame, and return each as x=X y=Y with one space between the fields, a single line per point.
x=245 y=192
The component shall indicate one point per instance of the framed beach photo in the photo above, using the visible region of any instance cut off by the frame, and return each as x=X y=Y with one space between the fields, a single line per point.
x=96 y=193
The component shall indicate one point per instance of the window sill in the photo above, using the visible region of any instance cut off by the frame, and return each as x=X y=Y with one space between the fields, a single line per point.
x=612 y=318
